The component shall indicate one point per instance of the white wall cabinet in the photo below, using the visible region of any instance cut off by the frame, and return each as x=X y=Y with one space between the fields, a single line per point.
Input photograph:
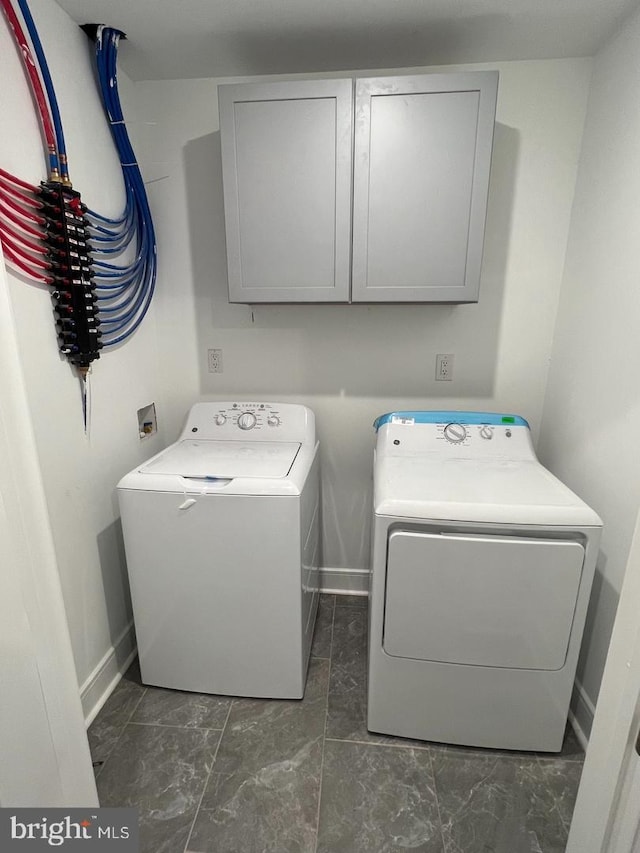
x=381 y=198
x=286 y=166
x=421 y=179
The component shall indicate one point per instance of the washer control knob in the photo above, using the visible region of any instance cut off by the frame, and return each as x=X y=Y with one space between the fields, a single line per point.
x=273 y=420
x=455 y=433
x=247 y=420
x=486 y=432
x=220 y=419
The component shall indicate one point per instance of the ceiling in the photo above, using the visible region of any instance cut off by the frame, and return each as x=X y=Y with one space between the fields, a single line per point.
x=220 y=38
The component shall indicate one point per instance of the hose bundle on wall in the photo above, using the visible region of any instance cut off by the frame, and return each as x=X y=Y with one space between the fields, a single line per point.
x=48 y=234
x=124 y=291
x=22 y=229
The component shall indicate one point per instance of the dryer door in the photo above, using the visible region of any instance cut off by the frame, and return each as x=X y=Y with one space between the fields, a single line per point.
x=500 y=601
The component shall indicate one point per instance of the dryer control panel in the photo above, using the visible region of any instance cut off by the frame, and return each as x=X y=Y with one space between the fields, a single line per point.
x=474 y=435
x=248 y=420
x=460 y=433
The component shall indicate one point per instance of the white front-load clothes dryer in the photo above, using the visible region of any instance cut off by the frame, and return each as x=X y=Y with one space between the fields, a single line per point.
x=221 y=535
x=482 y=565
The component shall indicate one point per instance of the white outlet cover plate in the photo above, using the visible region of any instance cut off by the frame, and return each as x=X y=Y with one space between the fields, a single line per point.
x=214 y=358
x=444 y=367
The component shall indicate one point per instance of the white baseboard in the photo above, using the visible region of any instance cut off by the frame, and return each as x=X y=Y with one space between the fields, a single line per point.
x=581 y=714
x=344 y=581
x=101 y=682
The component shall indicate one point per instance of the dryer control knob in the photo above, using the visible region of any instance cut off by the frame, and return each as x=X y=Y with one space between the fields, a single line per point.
x=455 y=433
x=273 y=420
x=221 y=419
x=486 y=432
x=247 y=420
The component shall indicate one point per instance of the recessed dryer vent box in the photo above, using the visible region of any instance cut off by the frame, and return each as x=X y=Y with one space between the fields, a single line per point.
x=147 y=422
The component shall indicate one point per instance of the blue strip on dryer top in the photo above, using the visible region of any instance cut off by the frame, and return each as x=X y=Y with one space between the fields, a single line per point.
x=445 y=417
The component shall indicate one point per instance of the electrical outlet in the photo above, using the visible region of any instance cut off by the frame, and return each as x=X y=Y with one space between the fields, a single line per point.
x=215 y=360
x=444 y=367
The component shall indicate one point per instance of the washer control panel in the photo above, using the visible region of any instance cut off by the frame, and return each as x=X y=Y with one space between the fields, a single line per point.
x=245 y=417
x=249 y=416
x=250 y=421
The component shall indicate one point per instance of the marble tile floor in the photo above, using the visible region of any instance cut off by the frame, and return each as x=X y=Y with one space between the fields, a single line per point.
x=213 y=774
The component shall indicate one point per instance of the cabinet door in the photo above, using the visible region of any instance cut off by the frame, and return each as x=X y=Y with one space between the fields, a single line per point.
x=286 y=164
x=421 y=178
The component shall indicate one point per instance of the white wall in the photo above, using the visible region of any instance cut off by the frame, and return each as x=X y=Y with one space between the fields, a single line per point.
x=79 y=472
x=592 y=405
x=351 y=363
x=44 y=753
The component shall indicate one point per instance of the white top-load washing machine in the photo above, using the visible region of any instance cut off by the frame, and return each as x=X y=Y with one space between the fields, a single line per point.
x=482 y=565
x=221 y=535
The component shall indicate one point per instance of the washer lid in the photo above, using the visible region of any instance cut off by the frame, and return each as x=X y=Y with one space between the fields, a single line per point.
x=225 y=459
